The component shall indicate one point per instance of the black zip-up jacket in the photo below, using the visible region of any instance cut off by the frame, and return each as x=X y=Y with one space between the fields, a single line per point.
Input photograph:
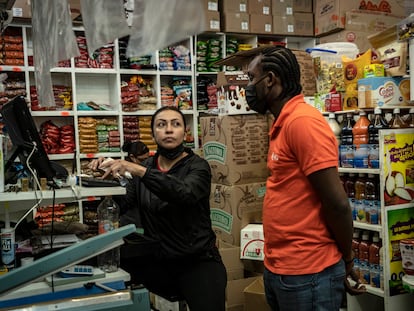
x=173 y=207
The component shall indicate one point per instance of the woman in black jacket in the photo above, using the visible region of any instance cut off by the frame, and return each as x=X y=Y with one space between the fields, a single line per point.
x=168 y=197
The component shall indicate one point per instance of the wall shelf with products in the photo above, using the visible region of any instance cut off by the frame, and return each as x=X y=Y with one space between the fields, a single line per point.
x=78 y=81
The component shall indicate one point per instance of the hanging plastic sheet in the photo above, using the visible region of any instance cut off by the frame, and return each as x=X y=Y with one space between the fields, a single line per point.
x=104 y=21
x=159 y=23
x=53 y=41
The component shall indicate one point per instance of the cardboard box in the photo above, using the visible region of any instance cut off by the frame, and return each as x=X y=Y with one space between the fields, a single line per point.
x=263 y=7
x=252 y=242
x=254 y=296
x=302 y=6
x=234 y=291
x=383 y=92
x=289 y=7
x=236 y=148
x=357 y=37
x=234 y=6
x=371 y=22
x=23 y=8
x=230 y=255
x=231 y=97
x=261 y=24
x=330 y=14
x=235 y=22
x=228 y=204
x=300 y=24
x=212 y=21
x=282 y=7
x=211 y=5
x=304 y=24
x=307 y=72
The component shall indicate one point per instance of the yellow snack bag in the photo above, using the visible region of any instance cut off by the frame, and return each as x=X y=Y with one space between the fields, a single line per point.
x=354 y=68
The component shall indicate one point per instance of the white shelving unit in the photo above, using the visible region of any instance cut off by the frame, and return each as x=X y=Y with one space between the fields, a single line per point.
x=103 y=86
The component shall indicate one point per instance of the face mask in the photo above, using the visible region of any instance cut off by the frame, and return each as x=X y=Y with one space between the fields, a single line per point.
x=171 y=154
x=256 y=104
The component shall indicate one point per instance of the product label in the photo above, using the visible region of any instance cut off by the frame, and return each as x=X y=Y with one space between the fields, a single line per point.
x=8 y=249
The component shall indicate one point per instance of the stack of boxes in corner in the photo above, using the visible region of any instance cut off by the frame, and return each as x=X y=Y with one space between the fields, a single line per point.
x=235 y=144
x=357 y=20
x=283 y=17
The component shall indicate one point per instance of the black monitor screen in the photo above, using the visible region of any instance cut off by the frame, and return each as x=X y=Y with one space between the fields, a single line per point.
x=24 y=136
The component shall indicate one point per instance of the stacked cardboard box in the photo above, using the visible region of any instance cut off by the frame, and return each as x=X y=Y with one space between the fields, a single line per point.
x=212 y=15
x=292 y=17
x=236 y=148
x=281 y=17
x=358 y=25
x=330 y=15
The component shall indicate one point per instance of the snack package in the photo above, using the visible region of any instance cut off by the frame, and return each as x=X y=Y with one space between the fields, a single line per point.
x=391 y=52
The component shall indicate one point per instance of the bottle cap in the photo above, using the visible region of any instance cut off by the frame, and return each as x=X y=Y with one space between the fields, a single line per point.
x=396 y=110
x=377 y=110
x=375 y=238
x=331 y=116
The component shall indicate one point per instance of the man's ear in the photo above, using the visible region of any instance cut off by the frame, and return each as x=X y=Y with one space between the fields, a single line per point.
x=273 y=79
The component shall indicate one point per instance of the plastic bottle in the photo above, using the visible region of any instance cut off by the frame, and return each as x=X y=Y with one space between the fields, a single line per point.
x=8 y=249
x=409 y=122
x=363 y=257
x=350 y=191
x=378 y=123
x=396 y=121
x=335 y=127
x=371 y=197
x=374 y=261
x=381 y=266
x=356 y=240
x=346 y=149
x=360 y=198
x=360 y=139
x=108 y=220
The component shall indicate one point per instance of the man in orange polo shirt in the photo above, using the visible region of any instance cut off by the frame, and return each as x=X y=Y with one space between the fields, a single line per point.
x=307 y=220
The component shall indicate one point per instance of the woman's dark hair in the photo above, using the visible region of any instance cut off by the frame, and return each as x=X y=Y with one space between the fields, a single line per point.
x=173 y=108
x=283 y=63
x=135 y=148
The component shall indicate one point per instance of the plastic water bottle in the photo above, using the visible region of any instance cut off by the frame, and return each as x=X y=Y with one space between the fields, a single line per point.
x=108 y=220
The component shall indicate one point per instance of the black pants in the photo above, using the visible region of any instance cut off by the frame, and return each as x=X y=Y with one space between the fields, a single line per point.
x=200 y=281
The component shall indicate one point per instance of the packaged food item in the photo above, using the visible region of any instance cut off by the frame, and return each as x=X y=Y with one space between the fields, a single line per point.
x=391 y=52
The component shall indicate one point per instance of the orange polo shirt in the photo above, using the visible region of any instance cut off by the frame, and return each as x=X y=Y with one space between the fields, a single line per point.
x=297 y=239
